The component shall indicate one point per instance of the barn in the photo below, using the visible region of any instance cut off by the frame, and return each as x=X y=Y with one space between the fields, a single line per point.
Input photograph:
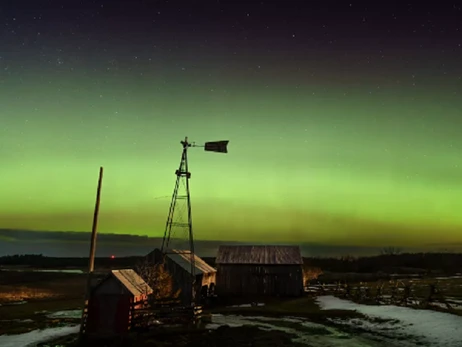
x=112 y=303
x=259 y=270
x=178 y=264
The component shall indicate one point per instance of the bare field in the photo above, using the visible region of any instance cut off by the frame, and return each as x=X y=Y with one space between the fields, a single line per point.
x=18 y=286
x=28 y=297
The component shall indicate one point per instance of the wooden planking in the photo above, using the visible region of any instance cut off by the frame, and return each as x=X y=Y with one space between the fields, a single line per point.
x=265 y=255
x=132 y=282
x=271 y=280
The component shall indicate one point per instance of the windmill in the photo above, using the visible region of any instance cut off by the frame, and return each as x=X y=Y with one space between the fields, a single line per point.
x=181 y=193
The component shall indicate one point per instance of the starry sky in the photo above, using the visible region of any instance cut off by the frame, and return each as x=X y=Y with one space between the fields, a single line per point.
x=344 y=118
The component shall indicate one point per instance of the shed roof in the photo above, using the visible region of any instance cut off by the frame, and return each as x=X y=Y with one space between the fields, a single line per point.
x=263 y=255
x=183 y=259
x=132 y=281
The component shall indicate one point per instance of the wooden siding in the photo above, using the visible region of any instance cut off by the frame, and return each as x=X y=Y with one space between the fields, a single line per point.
x=109 y=314
x=112 y=303
x=256 y=280
x=182 y=278
x=264 y=255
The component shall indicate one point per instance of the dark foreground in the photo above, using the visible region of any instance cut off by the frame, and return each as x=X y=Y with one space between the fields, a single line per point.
x=43 y=295
x=221 y=337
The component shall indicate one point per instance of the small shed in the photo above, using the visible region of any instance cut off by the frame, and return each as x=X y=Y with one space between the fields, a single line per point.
x=178 y=264
x=259 y=270
x=112 y=303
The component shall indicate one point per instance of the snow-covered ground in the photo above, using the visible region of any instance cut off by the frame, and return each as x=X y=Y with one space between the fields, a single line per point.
x=74 y=314
x=32 y=338
x=413 y=326
x=249 y=305
x=458 y=276
x=383 y=325
x=12 y=303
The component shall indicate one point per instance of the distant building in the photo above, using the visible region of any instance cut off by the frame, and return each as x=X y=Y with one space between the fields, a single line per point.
x=259 y=270
x=113 y=301
x=178 y=264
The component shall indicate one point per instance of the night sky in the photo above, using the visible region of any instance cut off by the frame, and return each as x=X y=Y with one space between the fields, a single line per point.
x=344 y=118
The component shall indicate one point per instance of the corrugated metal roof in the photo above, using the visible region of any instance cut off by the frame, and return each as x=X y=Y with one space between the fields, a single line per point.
x=132 y=281
x=183 y=258
x=264 y=255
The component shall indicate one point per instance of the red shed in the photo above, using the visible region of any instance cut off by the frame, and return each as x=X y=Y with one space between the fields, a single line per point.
x=112 y=302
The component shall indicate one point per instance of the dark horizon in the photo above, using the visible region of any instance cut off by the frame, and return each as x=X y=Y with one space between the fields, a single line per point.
x=76 y=244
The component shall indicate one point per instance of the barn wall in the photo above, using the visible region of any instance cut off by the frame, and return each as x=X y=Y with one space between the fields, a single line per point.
x=183 y=281
x=270 y=280
x=182 y=278
x=108 y=314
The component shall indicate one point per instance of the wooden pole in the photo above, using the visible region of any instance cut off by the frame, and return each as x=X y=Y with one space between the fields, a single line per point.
x=91 y=261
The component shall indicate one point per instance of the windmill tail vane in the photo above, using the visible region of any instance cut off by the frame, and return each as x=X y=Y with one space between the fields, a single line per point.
x=211 y=146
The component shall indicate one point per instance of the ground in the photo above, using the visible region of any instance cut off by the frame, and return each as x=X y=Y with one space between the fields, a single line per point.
x=446 y=298
x=28 y=298
x=36 y=300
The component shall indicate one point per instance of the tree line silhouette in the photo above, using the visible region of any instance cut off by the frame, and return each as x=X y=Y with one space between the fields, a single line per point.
x=407 y=262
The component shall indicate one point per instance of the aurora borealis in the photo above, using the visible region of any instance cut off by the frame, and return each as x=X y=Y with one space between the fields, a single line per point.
x=345 y=123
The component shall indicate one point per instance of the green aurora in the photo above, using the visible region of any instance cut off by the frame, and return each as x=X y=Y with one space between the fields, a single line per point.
x=331 y=166
x=344 y=121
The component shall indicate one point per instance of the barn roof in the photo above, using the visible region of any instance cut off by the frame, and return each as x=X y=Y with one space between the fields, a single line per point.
x=183 y=259
x=132 y=281
x=264 y=255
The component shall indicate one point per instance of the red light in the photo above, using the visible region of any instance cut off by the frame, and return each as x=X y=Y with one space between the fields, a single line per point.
x=112 y=256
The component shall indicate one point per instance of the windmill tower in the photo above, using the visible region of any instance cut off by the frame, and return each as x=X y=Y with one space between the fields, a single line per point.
x=178 y=226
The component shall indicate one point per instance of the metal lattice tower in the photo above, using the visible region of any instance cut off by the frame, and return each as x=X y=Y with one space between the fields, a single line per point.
x=181 y=193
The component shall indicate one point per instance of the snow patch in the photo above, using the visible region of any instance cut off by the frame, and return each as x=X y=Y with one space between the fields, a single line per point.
x=249 y=305
x=76 y=314
x=34 y=337
x=434 y=328
x=13 y=303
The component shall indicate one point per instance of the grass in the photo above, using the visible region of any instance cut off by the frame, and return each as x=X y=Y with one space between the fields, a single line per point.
x=9 y=294
x=17 y=286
